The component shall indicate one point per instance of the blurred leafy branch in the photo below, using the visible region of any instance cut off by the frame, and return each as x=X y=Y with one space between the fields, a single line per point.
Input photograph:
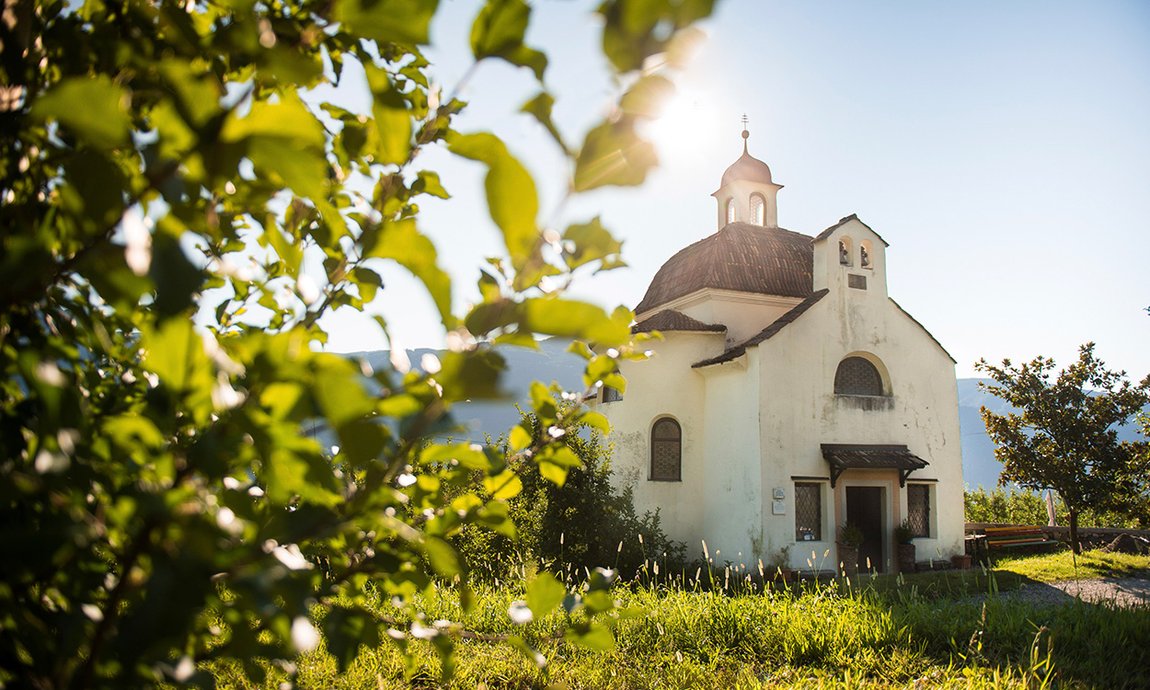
x=167 y=164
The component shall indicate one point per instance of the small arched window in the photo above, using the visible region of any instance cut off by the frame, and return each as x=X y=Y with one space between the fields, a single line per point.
x=666 y=450
x=864 y=254
x=730 y=210
x=845 y=251
x=758 y=209
x=857 y=376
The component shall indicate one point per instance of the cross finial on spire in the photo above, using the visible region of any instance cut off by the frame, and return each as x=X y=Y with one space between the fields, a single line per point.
x=746 y=134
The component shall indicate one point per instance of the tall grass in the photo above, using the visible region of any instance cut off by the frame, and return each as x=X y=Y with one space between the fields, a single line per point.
x=932 y=630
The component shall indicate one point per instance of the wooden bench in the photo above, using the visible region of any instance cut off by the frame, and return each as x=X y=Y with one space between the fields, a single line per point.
x=1015 y=537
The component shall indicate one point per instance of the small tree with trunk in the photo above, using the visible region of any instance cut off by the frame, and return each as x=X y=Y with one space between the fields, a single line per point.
x=1064 y=435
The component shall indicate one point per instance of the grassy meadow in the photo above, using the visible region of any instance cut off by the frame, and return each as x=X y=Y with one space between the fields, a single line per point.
x=951 y=629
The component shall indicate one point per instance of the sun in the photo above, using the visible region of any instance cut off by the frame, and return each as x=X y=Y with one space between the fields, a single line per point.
x=686 y=127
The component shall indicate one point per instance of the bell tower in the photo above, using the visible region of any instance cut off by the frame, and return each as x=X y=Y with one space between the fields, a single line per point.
x=747 y=194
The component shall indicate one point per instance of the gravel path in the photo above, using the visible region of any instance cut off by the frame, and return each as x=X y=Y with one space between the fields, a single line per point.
x=1118 y=591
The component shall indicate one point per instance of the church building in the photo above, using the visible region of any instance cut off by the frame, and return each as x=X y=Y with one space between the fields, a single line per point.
x=790 y=395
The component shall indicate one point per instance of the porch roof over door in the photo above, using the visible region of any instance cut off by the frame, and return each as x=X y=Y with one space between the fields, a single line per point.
x=846 y=456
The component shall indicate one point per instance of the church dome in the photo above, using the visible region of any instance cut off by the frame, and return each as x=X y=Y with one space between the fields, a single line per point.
x=740 y=257
x=747 y=168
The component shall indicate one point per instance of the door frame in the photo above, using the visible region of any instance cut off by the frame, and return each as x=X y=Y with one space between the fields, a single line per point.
x=887 y=481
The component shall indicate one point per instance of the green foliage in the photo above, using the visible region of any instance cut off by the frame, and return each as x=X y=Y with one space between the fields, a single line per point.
x=1014 y=507
x=574 y=528
x=850 y=535
x=973 y=635
x=904 y=533
x=1008 y=506
x=180 y=211
x=1064 y=436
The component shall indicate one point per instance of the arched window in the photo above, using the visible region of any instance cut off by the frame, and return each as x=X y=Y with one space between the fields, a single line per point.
x=857 y=376
x=864 y=254
x=758 y=209
x=730 y=210
x=666 y=450
x=845 y=251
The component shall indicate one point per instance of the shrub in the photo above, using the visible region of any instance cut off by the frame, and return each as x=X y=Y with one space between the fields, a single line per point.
x=586 y=523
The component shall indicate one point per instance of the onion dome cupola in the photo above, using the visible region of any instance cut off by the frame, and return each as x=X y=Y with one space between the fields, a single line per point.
x=747 y=194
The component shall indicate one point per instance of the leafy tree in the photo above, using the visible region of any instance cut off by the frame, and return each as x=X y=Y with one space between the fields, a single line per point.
x=1064 y=436
x=166 y=164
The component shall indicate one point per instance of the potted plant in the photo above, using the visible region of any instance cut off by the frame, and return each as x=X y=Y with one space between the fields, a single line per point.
x=850 y=538
x=904 y=538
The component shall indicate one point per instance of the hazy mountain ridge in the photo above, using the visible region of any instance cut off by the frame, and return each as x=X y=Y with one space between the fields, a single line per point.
x=552 y=362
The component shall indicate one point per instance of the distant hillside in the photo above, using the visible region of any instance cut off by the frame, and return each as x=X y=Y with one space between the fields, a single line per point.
x=979 y=468
x=552 y=362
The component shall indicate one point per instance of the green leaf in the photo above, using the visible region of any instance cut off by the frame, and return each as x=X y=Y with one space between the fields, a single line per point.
x=544 y=593
x=176 y=279
x=613 y=154
x=470 y=456
x=368 y=281
x=345 y=630
x=553 y=315
x=595 y=637
x=498 y=32
x=390 y=21
x=402 y=242
x=503 y=486
x=511 y=195
x=539 y=107
x=285 y=143
x=556 y=474
x=647 y=97
x=554 y=463
x=496 y=517
x=93 y=108
x=341 y=396
x=518 y=439
x=443 y=557
x=427 y=182
x=596 y=421
x=592 y=243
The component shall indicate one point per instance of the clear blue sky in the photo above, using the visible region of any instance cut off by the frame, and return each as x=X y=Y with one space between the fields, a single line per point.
x=1002 y=149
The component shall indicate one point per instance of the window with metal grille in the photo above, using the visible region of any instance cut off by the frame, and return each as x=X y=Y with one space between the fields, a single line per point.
x=758 y=209
x=808 y=511
x=918 y=509
x=856 y=376
x=666 y=450
x=730 y=210
x=611 y=394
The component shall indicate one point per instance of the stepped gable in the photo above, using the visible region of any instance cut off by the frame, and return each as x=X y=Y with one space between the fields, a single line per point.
x=740 y=257
x=671 y=320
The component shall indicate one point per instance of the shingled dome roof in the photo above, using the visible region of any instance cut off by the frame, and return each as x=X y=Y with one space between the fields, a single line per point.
x=741 y=257
x=747 y=168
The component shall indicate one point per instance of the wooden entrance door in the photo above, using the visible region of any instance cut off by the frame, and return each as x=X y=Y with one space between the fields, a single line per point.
x=865 y=510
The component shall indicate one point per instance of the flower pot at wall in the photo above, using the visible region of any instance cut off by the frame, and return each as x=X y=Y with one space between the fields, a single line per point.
x=848 y=561
x=961 y=561
x=906 y=553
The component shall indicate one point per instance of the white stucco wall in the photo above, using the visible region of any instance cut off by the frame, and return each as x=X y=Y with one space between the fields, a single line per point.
x=664 y=386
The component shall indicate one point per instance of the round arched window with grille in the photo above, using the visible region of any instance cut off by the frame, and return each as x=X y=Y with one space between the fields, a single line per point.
x=666 y=450
x=758 y=209
x=857 y=376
